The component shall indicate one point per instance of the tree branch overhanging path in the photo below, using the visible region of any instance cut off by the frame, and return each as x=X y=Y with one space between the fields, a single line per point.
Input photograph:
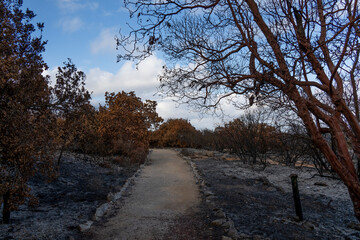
x=296 y=54
x=164 y=190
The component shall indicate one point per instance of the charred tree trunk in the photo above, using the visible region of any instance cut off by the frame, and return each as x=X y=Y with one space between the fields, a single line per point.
x=60 y=155
x=356 y=203
x=6 y=208
x=336 y=153
x=358 y=166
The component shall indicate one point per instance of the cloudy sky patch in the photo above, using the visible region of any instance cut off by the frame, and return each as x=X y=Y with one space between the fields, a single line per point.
x=105 y=42
x=85 y=33
x=75 y=5
x=71 y=25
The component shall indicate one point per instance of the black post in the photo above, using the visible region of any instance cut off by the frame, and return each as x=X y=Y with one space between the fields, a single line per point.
x=296 y=195
x=6 y=211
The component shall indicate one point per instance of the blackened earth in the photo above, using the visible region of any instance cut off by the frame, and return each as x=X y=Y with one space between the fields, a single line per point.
x=259 y=202
x=262 y=209
x=83 y=184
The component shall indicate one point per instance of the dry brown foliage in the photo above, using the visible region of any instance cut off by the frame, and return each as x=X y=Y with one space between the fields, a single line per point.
x=123 y=125
x=26 y=119
x=175 y=133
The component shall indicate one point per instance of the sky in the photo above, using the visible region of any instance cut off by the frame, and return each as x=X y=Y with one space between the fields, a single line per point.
x=84 y=31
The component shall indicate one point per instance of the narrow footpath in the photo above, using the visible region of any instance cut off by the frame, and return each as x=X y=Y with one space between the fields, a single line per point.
x=163 y=192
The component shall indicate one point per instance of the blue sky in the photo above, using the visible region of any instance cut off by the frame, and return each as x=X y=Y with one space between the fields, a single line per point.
x=84 y=31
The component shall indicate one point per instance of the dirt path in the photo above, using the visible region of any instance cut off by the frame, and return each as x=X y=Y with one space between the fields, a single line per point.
x=164 y=191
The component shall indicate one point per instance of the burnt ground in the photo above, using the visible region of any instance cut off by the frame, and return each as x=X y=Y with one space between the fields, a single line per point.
x=195 y=225
x=70 y=200
x=260 y=207
x=259 y=202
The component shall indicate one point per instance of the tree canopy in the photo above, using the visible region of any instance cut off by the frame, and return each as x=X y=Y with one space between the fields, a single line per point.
x=175 y=133
x=70 y=102
x=26 y=121
x=124 y=124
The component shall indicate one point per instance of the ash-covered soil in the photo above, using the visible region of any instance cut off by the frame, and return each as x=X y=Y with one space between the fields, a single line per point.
x=261 y=203
x=70 y=200
x=195 y=225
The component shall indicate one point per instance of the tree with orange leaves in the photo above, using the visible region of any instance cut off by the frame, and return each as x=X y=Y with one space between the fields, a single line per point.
x=26 y=119
x=71 y=101
x=124 y=124
x=176 y=133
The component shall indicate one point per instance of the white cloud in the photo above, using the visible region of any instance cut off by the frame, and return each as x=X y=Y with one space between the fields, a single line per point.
x=71 y=24
x=105 y=42
x=167 y=108
x=142 y=80
x=75 y=5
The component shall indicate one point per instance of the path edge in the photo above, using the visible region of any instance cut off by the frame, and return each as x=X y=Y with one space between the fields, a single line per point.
x=112 y=198
x=222 y=220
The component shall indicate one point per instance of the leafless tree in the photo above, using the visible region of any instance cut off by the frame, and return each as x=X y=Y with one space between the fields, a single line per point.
x=299 y=53
x=249 y=137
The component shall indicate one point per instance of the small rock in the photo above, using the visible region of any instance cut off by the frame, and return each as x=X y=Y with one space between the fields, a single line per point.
x=228 y=224
x=211 y=197
x=100 y=211
x=85 y=226
x=218 y=222
x=271 y=189
x=110 y=197
x=117 y=196
x=308 y=225
x=219 y=213
x=208 y=193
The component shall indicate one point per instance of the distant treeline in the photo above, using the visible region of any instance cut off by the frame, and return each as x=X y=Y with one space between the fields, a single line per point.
x=250 y=137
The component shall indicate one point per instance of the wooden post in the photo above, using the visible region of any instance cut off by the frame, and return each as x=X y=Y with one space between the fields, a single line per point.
x=296 y=195
x=6 y=211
